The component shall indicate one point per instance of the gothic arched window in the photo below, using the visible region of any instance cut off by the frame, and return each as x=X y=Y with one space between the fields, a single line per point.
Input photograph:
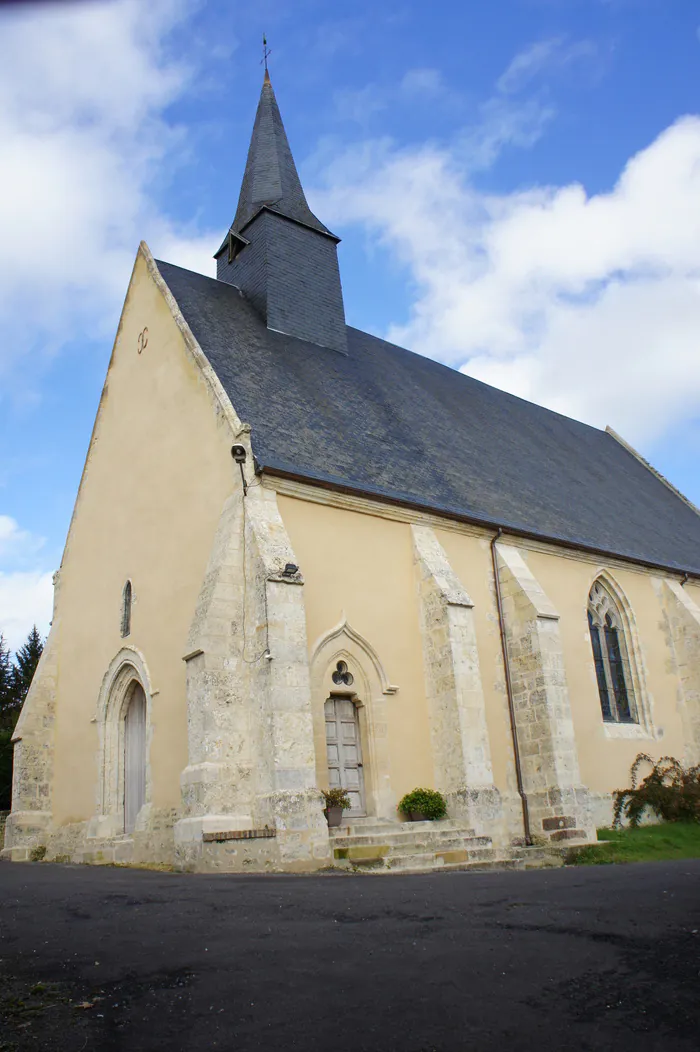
x=126 y=609
x=611 y=657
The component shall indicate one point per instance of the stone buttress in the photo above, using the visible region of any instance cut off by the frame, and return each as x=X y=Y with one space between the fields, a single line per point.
x=31 y=818
x=458 y=730
x=248 y=792
x=683 y=619
x=558 y=803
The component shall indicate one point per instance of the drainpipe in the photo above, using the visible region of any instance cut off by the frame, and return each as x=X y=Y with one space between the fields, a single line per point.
x=509 y=690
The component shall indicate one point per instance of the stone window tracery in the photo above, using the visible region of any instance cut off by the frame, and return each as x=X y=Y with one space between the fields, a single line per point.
x=611 y=657
x=341 y=675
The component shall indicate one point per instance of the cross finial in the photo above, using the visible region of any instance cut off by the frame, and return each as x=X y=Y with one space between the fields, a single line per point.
x=266 y=51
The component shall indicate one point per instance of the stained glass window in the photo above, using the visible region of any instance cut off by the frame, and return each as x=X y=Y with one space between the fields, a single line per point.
x=600 y=669
x=610 y=656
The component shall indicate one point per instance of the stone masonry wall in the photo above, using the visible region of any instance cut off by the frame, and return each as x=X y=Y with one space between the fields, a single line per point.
x=683 y=620
x=31 y=814
x=459 y=733
x=558 y=803
x=251 y=750
x=282 y=691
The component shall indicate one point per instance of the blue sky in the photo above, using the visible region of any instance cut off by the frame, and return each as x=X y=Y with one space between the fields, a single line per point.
x=516 y=185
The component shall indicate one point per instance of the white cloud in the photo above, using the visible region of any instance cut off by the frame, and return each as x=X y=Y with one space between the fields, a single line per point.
x=26 y=599
x=509 y=117
x=17 y=545
x=422 y=82
x=527 y=63
x=83 y=93
x=26 y=592
x=85 y=133
x=193 y=252
x=361 y=105
x=540 y=56
x=521 y=106
x=502 y=122
x=589 y=304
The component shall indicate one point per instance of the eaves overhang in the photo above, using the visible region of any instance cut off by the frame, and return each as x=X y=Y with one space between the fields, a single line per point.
x=441 y=511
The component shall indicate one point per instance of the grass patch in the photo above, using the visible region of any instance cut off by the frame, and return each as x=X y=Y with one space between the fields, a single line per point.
x=645 y=844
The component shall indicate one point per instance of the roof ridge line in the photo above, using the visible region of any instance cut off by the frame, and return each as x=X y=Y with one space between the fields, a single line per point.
x=650 y=467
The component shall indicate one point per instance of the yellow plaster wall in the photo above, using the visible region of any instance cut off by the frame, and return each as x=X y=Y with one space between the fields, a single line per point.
x=157 y=474
x=605 y=761
x=363 y=566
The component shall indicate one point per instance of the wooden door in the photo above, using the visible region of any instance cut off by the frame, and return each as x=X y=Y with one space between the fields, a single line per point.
x=344 y=753
x=134 y=758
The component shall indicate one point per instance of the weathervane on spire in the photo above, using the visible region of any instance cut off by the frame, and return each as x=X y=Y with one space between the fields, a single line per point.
x=266 y=51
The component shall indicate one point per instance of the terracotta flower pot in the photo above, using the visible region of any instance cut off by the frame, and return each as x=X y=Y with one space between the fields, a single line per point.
x=417 y=816
x=333 y=815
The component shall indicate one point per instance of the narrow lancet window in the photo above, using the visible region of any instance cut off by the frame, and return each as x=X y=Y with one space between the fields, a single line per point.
x=126 y=609
x=611 y=657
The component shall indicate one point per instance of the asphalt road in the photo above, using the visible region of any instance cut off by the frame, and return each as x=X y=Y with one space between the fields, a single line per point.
x=595 y=958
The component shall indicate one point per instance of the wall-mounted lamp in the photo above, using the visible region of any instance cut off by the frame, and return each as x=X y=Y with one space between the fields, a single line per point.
x=239 y=454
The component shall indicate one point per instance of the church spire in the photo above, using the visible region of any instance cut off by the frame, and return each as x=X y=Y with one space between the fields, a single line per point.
x=277 y=251
x=271 y=178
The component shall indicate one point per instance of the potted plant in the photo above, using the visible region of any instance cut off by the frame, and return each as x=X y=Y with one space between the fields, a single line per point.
x=423 y=805
x=337 y=801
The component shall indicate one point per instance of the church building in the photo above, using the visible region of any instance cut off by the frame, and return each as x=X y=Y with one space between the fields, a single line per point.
x=304 y=557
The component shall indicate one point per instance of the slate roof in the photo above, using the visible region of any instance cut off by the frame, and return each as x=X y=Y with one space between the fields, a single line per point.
x=271 y=178
x=386 y=422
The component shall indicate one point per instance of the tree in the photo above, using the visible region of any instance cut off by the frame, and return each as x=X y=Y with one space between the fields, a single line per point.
x=6 y=724
x=6 y=749
x=7 y=684
x=5 y=670
x=26 y=661
x=15 y=681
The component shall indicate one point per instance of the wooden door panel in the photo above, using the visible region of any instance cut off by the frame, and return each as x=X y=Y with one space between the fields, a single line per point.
x=134 y=758
x=352 y=777
x=344 y=753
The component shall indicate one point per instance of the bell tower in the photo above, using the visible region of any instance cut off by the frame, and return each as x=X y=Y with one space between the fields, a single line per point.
x=282 y=258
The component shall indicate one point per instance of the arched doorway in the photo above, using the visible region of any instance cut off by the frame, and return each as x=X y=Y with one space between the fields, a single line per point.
x=124 y=727
x=351 y=720
x=134 y=756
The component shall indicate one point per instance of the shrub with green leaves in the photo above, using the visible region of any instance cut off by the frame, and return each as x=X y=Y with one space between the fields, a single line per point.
x=670 y=791
x=336 y=798
x=428 y=802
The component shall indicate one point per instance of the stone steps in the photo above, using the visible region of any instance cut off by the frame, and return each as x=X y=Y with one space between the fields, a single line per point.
x=448 y=838
x=370 y=845
x=438 y=859
x=383 y=846
x=477 y=865
x=372 y=826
